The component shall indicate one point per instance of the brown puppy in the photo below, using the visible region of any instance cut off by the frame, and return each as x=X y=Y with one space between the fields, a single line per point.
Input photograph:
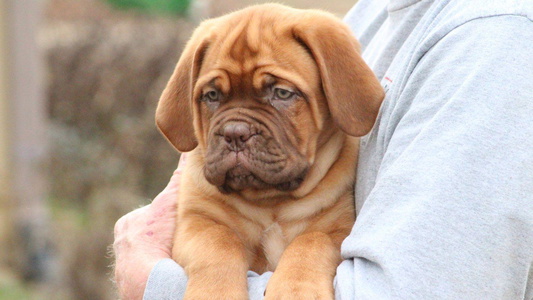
x=268 y=99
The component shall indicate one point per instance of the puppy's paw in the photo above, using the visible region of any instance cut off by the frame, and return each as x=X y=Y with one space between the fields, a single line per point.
x=281 y=288
x=227 y=293
x=209 y=288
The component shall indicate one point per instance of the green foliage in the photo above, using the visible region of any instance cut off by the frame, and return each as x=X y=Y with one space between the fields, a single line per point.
x=165 y=6
x=13 y=290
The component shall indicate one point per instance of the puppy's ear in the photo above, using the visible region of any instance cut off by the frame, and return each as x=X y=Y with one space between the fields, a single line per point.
x=353 y=92
x=174 y=114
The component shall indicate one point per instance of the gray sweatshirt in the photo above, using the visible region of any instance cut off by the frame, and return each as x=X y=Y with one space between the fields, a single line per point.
x=444 y=193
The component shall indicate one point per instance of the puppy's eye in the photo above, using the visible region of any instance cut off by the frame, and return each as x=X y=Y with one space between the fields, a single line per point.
x=283 y=94
x=212 y=96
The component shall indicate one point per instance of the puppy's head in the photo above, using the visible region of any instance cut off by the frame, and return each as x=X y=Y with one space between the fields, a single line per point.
x=261 y=90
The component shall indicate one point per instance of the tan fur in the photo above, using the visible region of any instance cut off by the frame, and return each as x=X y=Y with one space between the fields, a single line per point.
x=295 y=233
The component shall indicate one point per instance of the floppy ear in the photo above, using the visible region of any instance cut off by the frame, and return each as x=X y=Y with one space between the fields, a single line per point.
x=353 y=92
x=174 y=114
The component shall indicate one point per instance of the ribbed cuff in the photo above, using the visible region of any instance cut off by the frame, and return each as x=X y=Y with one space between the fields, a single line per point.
x=167 y=280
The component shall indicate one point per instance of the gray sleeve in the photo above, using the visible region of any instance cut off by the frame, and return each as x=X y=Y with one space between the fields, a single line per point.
x=451 y=213
x=168 y=280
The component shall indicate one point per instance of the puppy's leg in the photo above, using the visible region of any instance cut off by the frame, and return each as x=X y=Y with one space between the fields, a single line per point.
x=306 y=269
x=213 y=257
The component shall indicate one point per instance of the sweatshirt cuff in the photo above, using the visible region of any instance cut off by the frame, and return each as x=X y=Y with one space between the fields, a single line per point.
x=167 y=280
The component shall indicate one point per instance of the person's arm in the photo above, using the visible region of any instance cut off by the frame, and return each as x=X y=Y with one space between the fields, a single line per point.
x=451 y=212
x=143 y=238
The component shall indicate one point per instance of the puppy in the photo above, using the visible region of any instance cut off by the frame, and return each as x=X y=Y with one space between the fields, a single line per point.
x=269 y=100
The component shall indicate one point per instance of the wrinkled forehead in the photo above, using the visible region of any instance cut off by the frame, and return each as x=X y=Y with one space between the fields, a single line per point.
x=247 y=48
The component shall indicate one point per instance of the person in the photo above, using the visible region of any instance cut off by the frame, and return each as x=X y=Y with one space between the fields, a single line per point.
x=444 y=191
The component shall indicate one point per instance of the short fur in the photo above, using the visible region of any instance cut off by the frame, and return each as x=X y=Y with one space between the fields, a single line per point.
x=268 y=185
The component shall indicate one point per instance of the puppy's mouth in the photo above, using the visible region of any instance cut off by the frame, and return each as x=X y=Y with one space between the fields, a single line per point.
x=239 y=178
x=232 y=171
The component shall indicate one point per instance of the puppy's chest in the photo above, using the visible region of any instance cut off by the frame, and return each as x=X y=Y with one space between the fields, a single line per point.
x=268 y=243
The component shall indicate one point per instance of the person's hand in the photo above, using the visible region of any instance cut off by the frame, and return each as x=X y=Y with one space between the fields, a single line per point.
x=143 y=237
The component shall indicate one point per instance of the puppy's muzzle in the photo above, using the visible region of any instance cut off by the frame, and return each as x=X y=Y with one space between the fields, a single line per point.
x=236 y=134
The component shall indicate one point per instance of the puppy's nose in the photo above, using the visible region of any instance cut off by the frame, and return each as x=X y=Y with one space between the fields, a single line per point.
x=236 y=134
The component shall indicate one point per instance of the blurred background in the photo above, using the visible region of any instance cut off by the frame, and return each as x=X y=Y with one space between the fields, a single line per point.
x=79 y=84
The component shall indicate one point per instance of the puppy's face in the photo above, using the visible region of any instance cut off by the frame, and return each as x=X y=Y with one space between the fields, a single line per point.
x=261 y=90
x=257 y=99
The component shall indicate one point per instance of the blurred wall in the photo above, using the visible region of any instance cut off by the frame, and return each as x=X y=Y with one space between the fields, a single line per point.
x=3 y=105
x=22 y=138
x=4 y=146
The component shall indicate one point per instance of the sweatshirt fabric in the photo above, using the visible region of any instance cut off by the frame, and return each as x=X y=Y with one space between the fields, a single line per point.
x=444 y=191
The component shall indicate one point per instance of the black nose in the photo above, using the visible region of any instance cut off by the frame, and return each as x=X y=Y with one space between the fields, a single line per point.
x=236 y=134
